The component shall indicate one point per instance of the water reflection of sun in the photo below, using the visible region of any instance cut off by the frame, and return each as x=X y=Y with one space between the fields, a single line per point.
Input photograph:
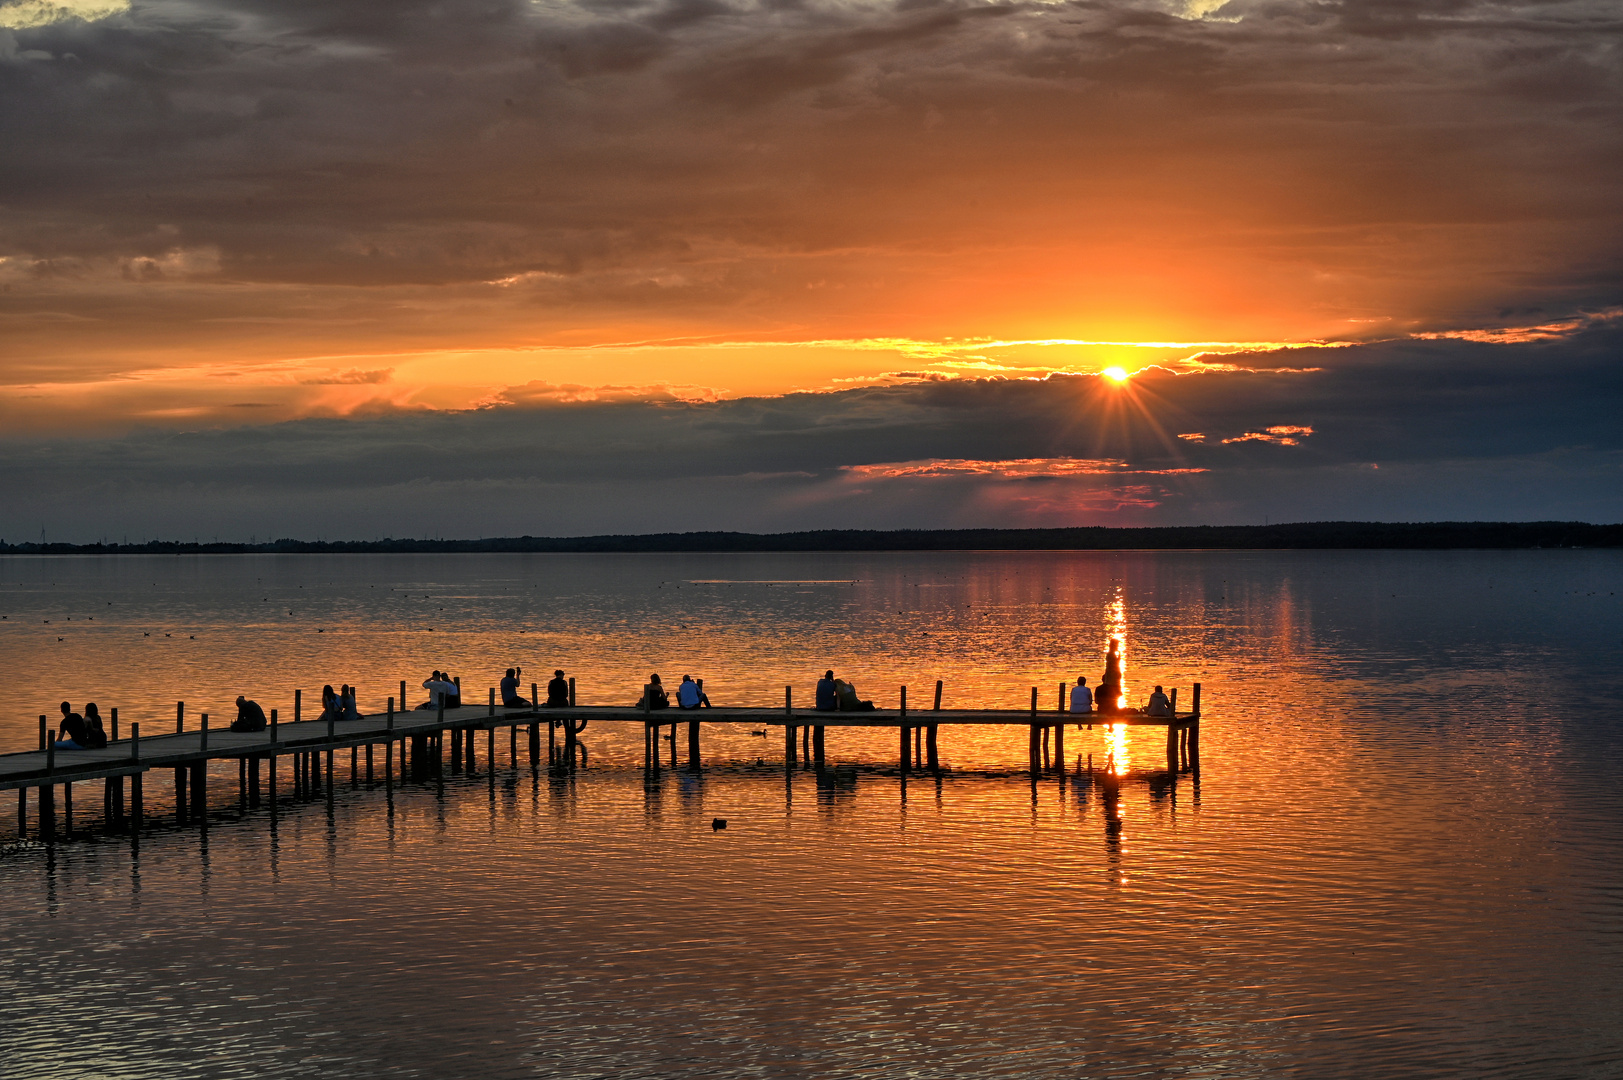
x=1116 y=629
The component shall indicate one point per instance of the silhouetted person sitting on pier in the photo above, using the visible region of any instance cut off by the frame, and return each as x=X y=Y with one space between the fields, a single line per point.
x=512 y=695
x=94 y=731
x=329 y=704
x=74 y=732
x=654 y=695
x=690 y=695
x=558 y=691
x=1081 y=696
x=250 y=717
x=827 y=700
x=846 y=695
x=346 y=704
x=1108 y=698
x=1158 y=704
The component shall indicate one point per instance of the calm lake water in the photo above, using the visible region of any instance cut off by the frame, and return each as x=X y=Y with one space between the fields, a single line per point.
x=1403 y=856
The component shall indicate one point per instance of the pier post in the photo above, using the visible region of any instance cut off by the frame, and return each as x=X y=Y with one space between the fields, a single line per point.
x=906 y=733
x=22 y=811
x=67 y=810
x=137 y=809
x=1035 y=746
x=1194 y=732
x=116 y=783
x=552 y=742
x=298 y=704
x=571 y=691
x=369 y=764
x=200 y=793
x=355 y=765
x=817 y=746
x=490 y=750
x=47 y=812
x=468 y=747
x=932 y=755
x=242 y=784
x=203 y=731
x=789 y=727
x=404 y=707
x=512 y=745
x=492 y=701
x=1059 y=733
x=253 y=781
x=693 y=744
x=535 y=725
x=456 y=750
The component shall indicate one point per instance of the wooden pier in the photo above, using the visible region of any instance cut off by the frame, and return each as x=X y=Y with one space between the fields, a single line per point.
x=397 y=746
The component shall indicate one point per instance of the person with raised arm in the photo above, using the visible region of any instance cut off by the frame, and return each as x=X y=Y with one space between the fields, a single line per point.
x=512 y=696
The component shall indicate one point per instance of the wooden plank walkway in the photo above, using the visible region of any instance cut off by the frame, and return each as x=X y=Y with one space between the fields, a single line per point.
x=417 y=740
x=122 y=758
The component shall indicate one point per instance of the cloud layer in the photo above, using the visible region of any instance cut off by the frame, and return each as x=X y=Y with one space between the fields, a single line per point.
x=1408 y=431
x=283 y=178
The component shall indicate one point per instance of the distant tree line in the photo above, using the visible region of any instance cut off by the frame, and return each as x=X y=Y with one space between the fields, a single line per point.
x=1434 y=535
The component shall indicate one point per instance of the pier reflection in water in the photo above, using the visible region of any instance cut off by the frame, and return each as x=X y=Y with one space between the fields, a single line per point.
x=1354 y=886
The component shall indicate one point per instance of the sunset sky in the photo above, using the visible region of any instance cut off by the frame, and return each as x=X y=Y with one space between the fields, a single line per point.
x=352 y=269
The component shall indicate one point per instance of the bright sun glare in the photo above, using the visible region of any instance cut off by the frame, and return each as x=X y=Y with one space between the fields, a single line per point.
x=1115 y=374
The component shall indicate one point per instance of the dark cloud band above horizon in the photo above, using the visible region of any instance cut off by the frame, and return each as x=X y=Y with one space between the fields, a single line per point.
x=1399 y=431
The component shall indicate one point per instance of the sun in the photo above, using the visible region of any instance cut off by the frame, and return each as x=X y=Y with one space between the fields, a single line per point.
x=1115 y=374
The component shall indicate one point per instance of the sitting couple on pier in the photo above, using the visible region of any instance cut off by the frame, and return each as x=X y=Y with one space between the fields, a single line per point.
x=339 y=705
x=689 y=695
x=81 y=732
x=837 y=695
x=443 y=690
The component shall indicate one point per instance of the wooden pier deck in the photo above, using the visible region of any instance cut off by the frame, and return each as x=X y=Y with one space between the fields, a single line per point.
x=414 y=745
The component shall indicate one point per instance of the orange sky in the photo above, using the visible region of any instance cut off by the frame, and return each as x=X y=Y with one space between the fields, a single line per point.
x=305 y=214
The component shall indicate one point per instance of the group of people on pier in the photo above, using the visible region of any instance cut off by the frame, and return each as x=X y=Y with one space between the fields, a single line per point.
x=1107 y=699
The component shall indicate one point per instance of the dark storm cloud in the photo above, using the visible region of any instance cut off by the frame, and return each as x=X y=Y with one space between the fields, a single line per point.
x=1397 y=430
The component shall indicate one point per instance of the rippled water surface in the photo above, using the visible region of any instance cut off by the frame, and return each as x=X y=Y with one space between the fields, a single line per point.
x=1403 y=854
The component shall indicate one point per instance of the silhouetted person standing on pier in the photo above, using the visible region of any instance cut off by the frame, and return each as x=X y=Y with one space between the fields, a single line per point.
x=558 y=691
x=250 y=717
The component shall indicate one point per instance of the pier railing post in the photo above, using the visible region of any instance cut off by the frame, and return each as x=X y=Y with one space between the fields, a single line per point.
x=1059 y=732
x=492 y=701
x=44 y=726
x=114 y=736
x=203 y=732
x=789 y=727
x=136 y=809
x=906 y=733
x=1035 y=754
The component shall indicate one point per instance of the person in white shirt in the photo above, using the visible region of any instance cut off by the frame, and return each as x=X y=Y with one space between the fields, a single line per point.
x=690 y=695
x=1081 y=696
x=1158 y=704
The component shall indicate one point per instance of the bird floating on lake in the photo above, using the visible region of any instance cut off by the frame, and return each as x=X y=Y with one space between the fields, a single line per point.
x=718 y=824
